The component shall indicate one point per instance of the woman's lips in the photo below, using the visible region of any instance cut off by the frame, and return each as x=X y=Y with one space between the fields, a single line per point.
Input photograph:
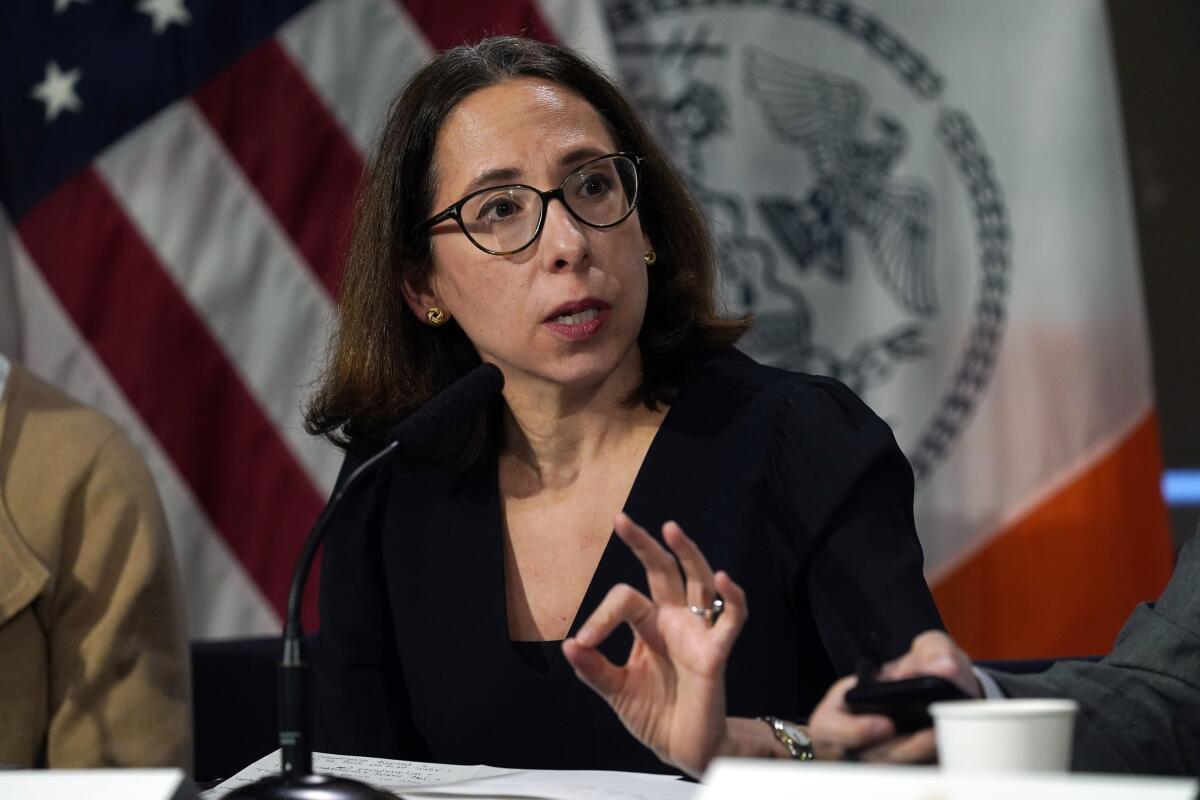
x=578 y=321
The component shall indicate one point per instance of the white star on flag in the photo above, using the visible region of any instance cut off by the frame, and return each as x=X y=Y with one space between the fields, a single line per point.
x=164 y=13
x=62 y=5
x=57 y=91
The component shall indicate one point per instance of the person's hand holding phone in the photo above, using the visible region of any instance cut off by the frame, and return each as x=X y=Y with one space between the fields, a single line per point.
x=935 y=653
x=905 y=701
x=839 y=733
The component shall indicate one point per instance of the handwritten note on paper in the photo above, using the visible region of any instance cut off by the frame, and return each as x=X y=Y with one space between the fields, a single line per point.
x=387 y=774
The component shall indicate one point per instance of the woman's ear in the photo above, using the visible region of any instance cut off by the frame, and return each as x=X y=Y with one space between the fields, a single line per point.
x=419 y=299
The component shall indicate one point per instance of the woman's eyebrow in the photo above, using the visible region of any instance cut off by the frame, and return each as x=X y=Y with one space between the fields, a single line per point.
x=490 y=177
x=498 y=175
x=581 y=154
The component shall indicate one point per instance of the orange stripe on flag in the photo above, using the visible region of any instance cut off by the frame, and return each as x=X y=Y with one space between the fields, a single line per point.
x=1063 y=579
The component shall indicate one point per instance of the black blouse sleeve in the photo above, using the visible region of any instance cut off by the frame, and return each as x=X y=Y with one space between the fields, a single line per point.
x=362 y=705
x=843 y=494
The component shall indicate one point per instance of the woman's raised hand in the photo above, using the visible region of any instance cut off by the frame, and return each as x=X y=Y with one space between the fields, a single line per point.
x=670 y=693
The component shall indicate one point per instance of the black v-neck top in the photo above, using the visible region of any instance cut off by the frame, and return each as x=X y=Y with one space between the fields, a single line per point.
x=786 y=481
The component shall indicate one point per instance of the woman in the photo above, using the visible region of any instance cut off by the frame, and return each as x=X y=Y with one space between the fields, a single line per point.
x=518 y=211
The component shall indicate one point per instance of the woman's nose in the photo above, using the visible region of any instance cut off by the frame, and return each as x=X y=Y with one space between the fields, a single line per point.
x=564 y=243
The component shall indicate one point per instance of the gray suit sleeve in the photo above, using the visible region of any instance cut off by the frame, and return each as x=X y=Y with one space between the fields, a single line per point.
x=1139 y=707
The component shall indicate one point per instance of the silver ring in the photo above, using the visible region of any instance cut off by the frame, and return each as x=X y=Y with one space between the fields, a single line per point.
x=711 y=613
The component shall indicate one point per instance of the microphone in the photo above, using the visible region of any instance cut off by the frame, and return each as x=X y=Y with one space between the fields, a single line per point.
x=447 y=408
x=296 y=781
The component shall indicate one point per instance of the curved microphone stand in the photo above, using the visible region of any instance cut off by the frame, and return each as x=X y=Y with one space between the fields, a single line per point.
x=296 y=780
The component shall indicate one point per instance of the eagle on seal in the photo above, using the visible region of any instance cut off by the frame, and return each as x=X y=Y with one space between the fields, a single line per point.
x=854 y=191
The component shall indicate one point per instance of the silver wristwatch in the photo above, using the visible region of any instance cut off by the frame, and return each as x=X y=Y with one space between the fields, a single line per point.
x=797 y=741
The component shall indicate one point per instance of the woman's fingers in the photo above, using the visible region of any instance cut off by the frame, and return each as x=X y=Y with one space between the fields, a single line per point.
x=662 y=573
x=700 y=591
x=622 y=604
x=702 y=585
x=917 y=748
x=835 y=730
x=734 y=614
x=931 y=652
x=593 y=668
x=935 y=653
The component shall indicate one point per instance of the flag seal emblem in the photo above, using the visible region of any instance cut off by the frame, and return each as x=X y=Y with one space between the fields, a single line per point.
x=745 y=114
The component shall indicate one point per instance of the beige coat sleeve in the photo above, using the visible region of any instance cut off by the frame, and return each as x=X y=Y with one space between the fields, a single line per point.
x=118 y=672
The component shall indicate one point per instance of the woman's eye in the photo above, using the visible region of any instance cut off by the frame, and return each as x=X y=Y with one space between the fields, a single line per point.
x=594 y=185
x=499 y=209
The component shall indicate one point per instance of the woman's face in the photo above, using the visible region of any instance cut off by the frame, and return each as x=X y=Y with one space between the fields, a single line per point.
x=567 y=309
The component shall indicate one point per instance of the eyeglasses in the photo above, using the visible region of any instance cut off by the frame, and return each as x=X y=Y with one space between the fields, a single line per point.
x=503 y=220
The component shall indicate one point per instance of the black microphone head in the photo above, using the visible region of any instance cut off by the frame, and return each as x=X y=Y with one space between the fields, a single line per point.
x=448 y=407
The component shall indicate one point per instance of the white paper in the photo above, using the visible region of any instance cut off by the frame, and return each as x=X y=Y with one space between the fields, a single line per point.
x=730 y=779
x=384 y=773
x=95 y=784
x=567 y=785
x=416 y=779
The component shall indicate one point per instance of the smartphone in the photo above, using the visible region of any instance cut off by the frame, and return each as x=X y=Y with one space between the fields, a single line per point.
x=905 y=702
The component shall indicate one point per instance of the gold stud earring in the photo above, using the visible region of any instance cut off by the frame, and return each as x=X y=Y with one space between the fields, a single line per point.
x=650 y=257
x=436 y=316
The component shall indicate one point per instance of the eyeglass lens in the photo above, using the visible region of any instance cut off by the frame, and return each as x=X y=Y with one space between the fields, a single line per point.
x=506 y=219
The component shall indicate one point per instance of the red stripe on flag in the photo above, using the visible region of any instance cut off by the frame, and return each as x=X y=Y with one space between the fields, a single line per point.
x=448 y=24
x=291 y=148
x=174 y=373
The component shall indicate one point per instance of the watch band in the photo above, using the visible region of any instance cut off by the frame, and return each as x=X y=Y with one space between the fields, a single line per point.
x=798 y=743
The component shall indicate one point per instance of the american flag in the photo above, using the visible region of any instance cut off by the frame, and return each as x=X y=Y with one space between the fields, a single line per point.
x=177 y=180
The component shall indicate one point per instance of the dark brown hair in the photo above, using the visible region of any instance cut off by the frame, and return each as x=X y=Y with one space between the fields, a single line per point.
x=384 y=363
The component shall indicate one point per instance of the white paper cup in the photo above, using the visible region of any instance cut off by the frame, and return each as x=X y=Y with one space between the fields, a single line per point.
x=1005 y=735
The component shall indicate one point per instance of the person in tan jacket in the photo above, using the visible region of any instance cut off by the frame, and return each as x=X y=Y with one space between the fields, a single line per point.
x=94 y=667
